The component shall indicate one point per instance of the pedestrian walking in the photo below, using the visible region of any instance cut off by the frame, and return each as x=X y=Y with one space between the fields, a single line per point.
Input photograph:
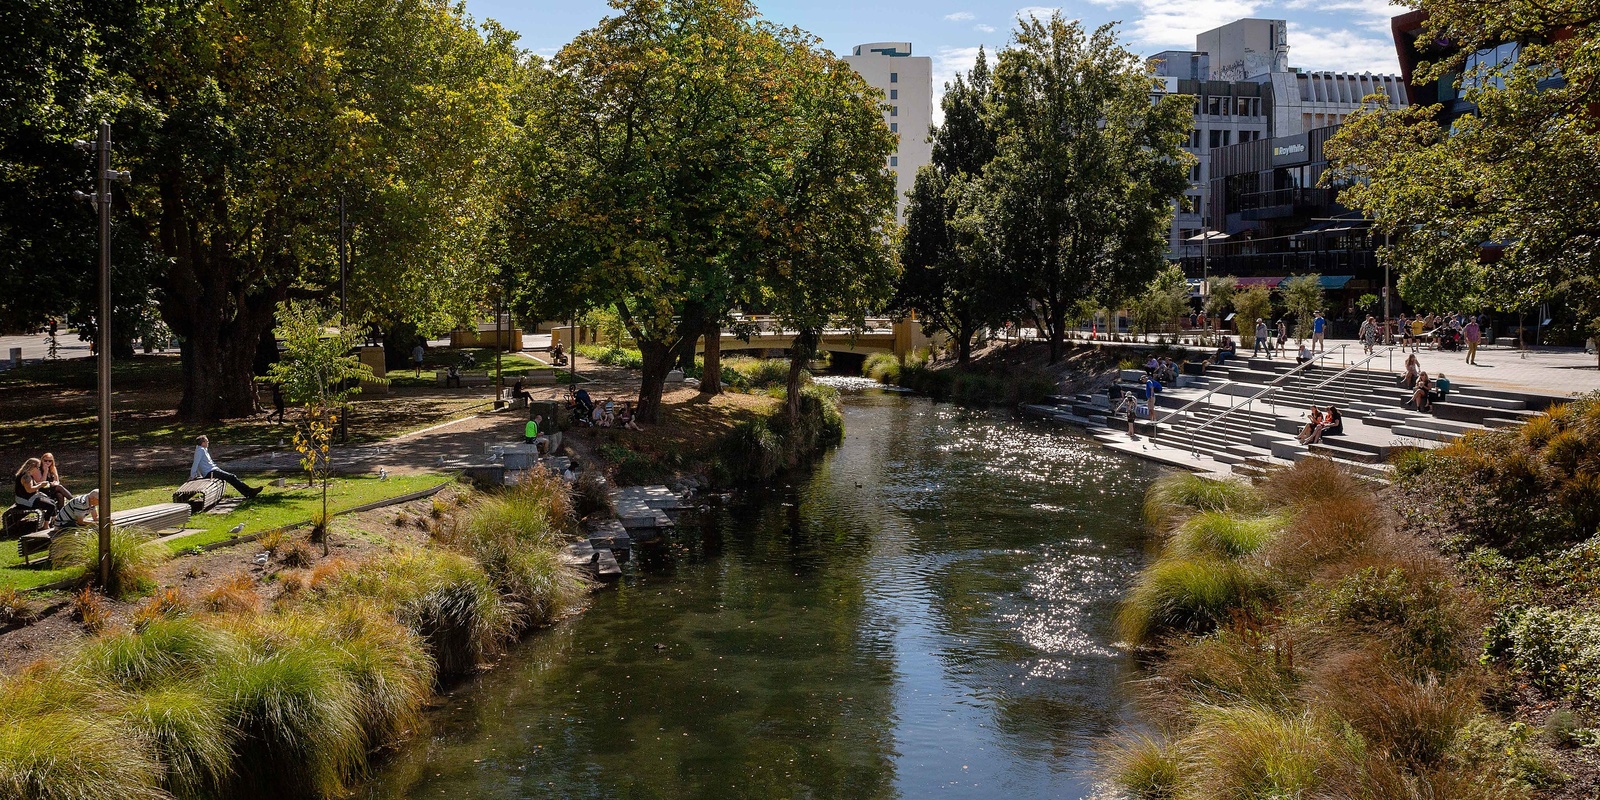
x=1319 y=326
x=1473 y=335
x=1262 y=343
x=416 y=356
x=1369 y=334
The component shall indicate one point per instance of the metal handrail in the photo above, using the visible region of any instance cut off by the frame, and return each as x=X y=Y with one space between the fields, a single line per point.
x=1388 y=351
x=1269 y=389
x=1290 y=373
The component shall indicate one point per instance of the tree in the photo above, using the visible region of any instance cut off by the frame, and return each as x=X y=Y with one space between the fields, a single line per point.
x=320 y=370
x=1164 y=299
x=640 y=180
x=1518 y=170
x=1250 y=304
x=1219 y=298
x=825 y=259
x=1302 y=297
x=1089 y=161
x=951 y=276
x=243 y=124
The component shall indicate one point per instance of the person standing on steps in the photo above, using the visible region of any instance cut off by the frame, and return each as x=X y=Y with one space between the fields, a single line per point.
x=1318 y=327
x=1473 y=335
x=204 y=467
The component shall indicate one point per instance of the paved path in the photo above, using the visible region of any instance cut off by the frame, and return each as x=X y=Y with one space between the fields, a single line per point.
x=1549 y=370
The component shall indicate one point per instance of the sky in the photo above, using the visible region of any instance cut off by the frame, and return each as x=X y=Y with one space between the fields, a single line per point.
x=1342 y=35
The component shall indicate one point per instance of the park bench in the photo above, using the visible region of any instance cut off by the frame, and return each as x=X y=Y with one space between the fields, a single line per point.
x=157 y=517
x=19 y=520
x=200 y=494
x=469 y=377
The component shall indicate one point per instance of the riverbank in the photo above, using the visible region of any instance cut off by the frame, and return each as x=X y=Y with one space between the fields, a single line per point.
x=283 y=678
x=1312 y=636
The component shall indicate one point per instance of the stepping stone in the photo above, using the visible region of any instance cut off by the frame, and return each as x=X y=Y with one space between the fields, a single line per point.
x=606 y=566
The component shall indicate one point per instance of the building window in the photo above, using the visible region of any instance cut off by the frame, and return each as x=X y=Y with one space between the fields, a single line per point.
x=894 y=94
x=894 y=77
x=1216 y=139
x=1194 y=140
x=894 y=161
x=894 y=111
x=894 y=127
x=1194 y=174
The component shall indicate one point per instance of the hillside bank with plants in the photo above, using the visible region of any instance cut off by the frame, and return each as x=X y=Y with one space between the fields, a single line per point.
x=1311 y=636
x=228 y=694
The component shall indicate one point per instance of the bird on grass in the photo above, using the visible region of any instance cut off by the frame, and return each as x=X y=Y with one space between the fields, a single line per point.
x=235 y=529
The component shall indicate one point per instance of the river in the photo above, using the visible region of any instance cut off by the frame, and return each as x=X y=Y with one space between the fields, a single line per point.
x=927 y=613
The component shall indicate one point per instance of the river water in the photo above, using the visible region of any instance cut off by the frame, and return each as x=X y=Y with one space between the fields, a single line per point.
x=927 y=613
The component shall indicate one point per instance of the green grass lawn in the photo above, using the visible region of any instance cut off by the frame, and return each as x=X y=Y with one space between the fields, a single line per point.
x=274 y=508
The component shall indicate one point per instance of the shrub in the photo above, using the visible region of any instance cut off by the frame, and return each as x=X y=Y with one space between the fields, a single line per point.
x=882 y=367
x=237 y=595
x=167 y=604
x=1559 y=650
x=444 y=597
x=1245 y=752
x=134 y=556
x=1146 y=768
x=1507 y=757
x=91 y=610
x=16 y=608
x=1187 y=595
x=1414 y=720
x=72 y=754
x=1222 y=534
x=1179 y=495
x=591 y=495
x=298 y=555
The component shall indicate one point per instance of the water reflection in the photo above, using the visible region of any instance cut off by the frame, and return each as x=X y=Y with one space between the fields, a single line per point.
x=928 y=611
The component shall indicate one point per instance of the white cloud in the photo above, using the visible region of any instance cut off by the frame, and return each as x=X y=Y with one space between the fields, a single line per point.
x=1040 y=13
x=960 y=16
x=1371 y=14
x=983 y=28
x=1341 y=50
x=949 y=62
x=1174 y=23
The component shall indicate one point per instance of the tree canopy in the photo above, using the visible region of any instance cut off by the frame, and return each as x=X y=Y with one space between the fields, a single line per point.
x=1513 y=176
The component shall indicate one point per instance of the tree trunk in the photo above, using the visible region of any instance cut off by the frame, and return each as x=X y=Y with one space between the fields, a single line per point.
x=711 y=376
x=964 y=343
x=805 y=344
x=657 y=357
x=1058 y=320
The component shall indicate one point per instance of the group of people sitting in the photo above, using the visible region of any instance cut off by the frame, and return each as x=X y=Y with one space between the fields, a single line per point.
x=1321 y=423
x=38 y=486
x=1162 y=369
x=587 y=412
x=1424 y=390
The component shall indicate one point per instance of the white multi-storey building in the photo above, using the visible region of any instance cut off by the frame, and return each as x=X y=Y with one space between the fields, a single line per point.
x=907 y=85
x=1245 y=90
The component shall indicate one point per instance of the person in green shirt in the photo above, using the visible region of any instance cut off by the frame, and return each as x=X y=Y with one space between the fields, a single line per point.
x=530 y=433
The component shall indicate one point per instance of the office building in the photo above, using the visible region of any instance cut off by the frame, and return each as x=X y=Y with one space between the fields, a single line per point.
x=907 y=85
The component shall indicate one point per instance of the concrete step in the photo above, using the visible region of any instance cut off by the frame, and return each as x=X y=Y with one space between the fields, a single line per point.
x=1430 y=434
x=1483 y=401
x=1349 y=451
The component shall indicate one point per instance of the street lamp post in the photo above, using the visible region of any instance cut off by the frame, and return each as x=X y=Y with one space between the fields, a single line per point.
x=101 y=199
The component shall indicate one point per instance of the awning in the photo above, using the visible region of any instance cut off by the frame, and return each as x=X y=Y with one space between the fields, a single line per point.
x=1208 y=236
x=1335 y=281
x=1271 y=283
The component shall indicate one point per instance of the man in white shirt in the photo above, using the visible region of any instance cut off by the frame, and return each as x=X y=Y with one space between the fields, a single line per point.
x=204 y=467
x=80 y=510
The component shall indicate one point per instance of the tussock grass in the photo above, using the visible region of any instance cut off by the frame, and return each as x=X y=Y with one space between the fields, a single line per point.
x=1314 y=483
x=1414 y=720
x=73 y=755
x=1246 y=752
x=237 y=595
x=134 y=557
x=1176 y=497
x=190 y=731
x=1147 y=768
x=1223 y=535
x=1188 y=595
x=1231 y=666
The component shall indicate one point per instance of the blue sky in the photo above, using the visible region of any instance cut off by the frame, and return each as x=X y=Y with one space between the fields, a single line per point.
x=1345 y=35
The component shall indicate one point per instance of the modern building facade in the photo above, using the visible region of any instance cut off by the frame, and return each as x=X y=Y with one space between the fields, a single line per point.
x=1245 y=91
x=907 y=85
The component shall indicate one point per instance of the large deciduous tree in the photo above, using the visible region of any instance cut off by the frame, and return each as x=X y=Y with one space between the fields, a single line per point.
x=823 y=257
x=1078 y=199
x=245 y=122
x=951 y=276
x=1517 y=171
x=643 y=190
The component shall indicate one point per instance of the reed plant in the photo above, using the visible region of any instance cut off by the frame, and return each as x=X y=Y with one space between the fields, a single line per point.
x=1145 y=767
x=1222 y=534
x=1247 y=752
x=1178 y=595
x=73 y=754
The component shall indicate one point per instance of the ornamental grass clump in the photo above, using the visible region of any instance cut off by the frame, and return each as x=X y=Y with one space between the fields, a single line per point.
x=1177 y=595
x=134 y=556
x=1246 y=752
x=1222 y=534
x=1177 y=497
x=72 y=754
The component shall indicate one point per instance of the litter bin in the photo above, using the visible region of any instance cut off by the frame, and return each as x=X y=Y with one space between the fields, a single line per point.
x=16 y=356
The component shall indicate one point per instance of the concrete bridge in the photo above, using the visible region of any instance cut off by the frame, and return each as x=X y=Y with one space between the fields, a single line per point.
x=764 y=336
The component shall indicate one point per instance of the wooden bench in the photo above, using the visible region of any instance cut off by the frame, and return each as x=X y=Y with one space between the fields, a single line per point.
x=469 y=377
x=539 y=377
x=158 y=517
x=200 y=494
x=21 y=520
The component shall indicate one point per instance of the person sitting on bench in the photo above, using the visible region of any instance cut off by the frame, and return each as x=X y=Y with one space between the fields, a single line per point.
x=1225 y=352
x=30 y=492
x=49 y=479
x=519 y=393
x=530 y=434
x=1441 y=387
x=81 y=510
x=204 y=467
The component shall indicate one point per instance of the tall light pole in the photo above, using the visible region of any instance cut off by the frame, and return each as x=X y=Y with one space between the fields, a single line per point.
x=344 y=263
x=101 y=199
